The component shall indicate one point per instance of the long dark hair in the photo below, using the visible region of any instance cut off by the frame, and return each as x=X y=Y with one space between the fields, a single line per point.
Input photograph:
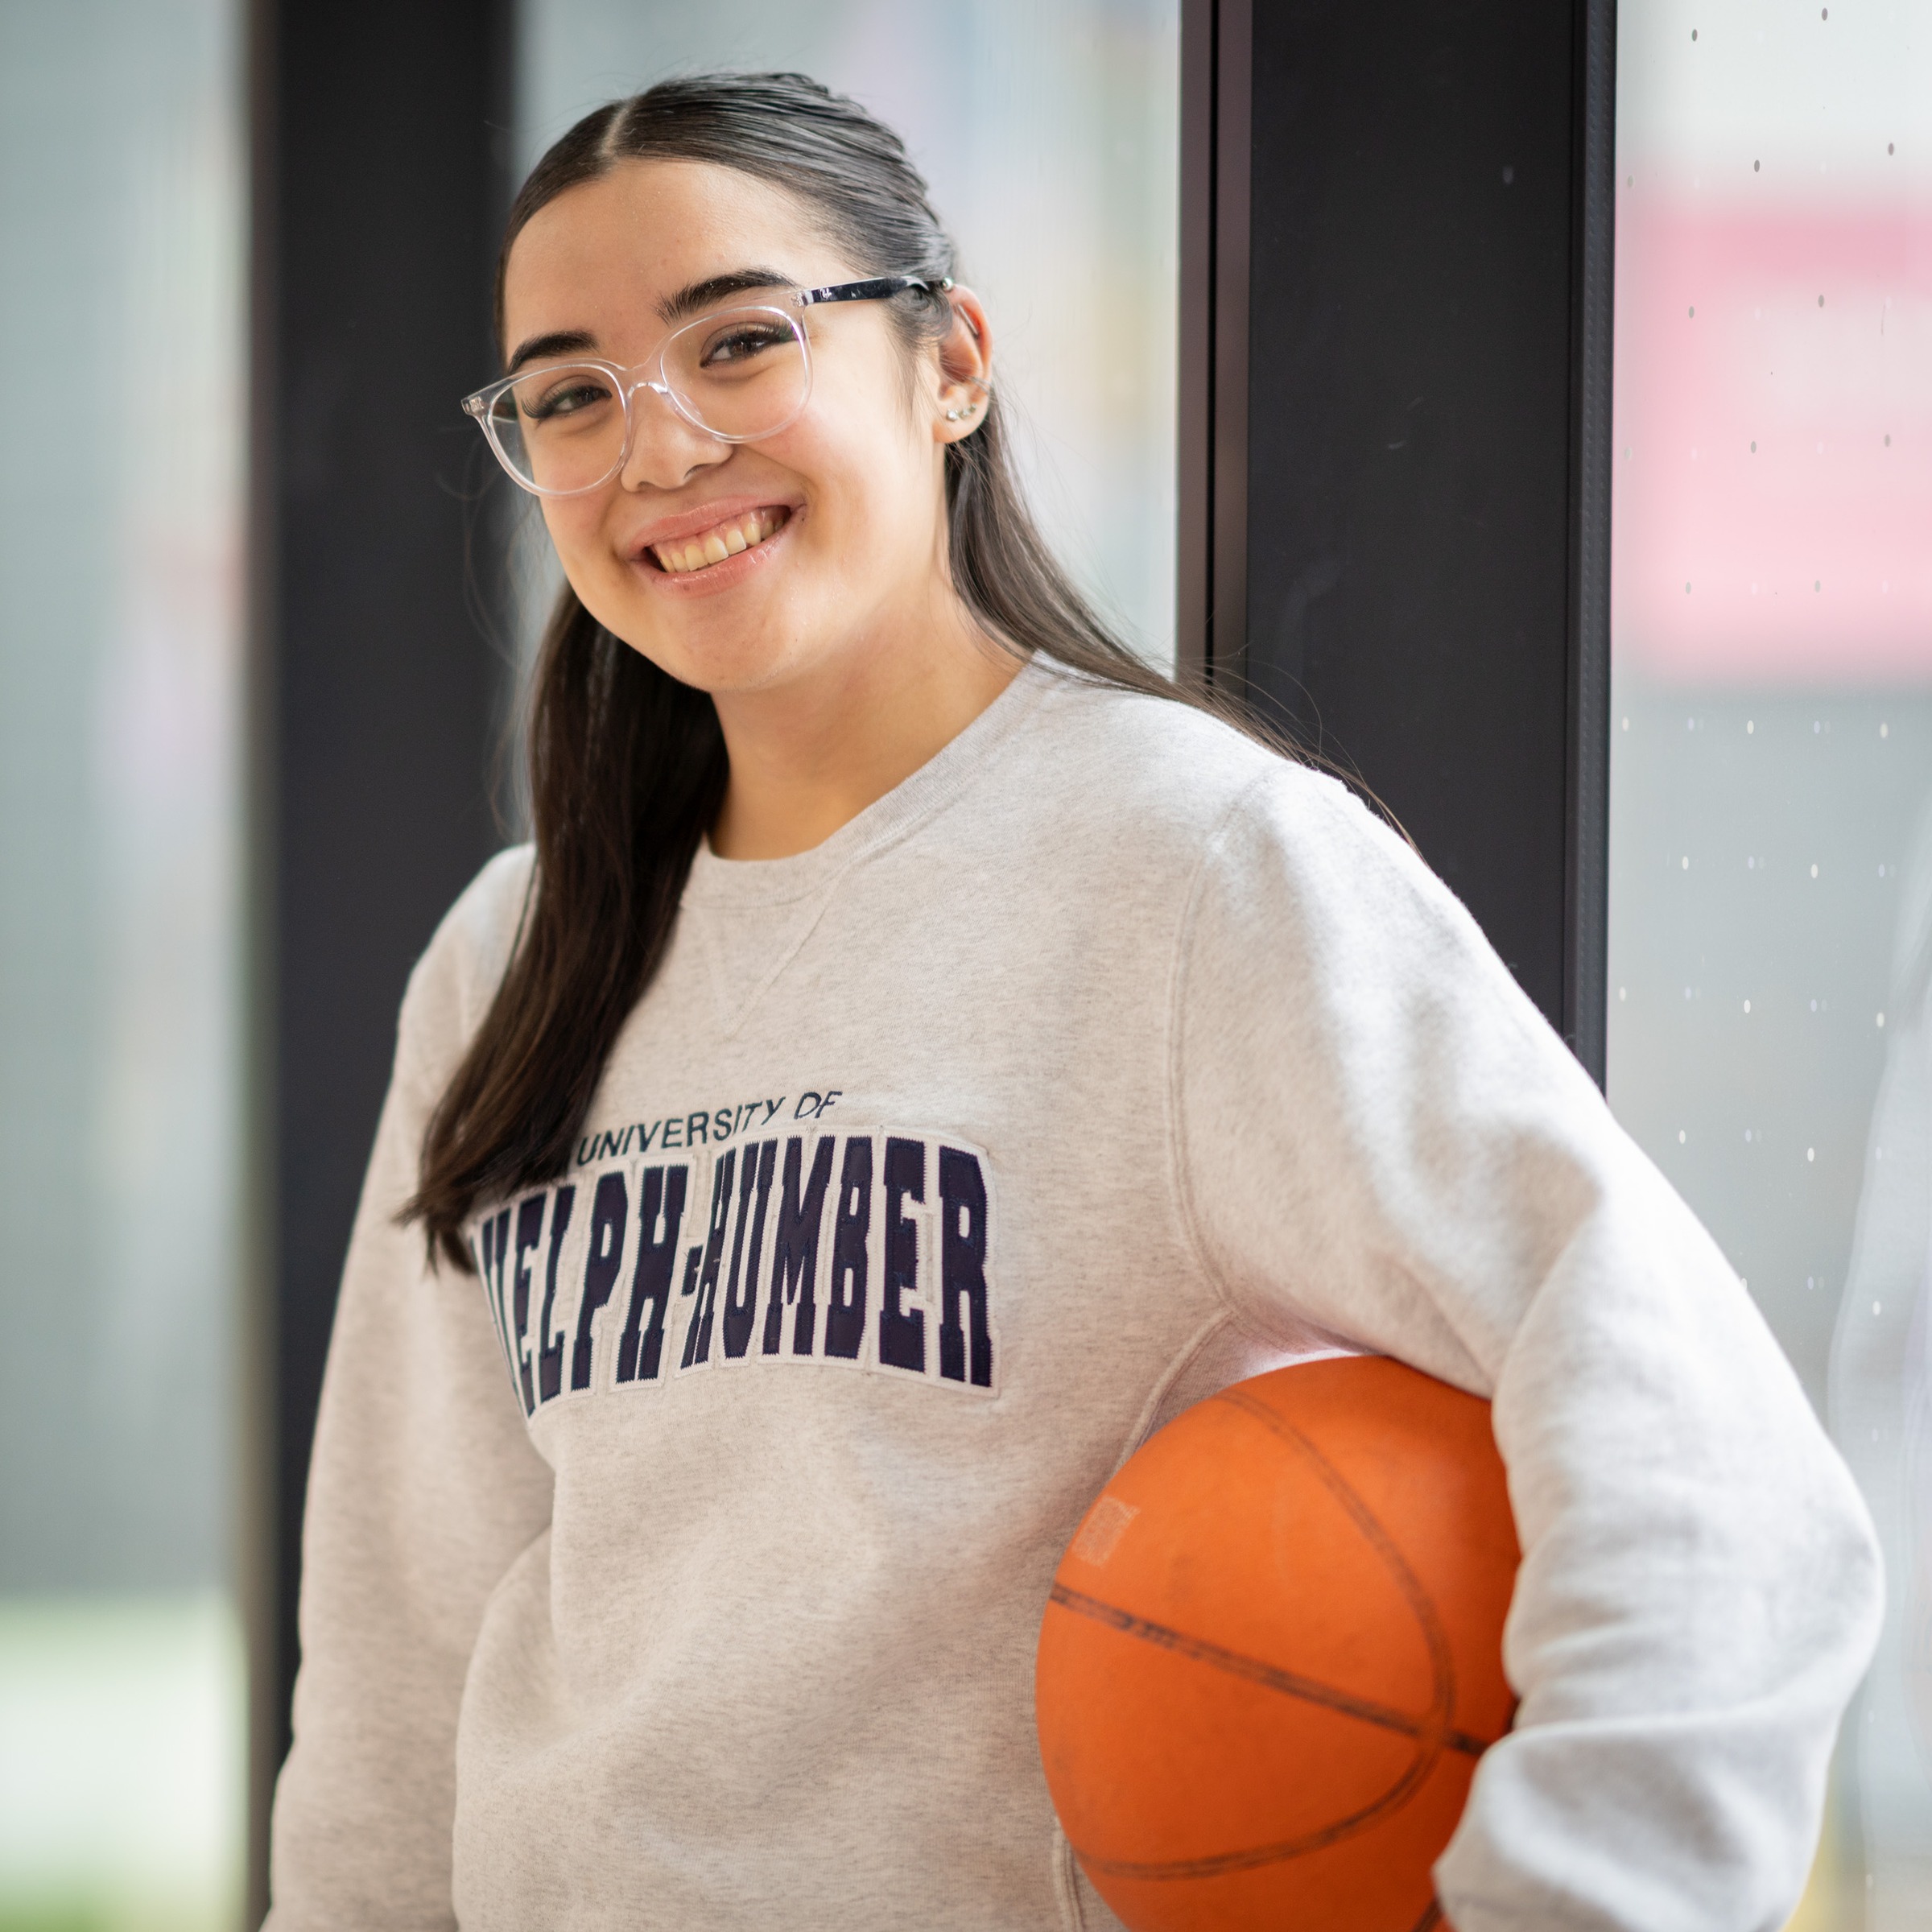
x=627 y=765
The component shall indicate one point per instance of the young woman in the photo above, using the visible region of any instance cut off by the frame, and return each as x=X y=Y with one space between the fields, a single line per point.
x=920 y=1055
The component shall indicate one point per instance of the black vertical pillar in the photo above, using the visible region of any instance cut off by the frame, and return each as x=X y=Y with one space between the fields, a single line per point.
x=379 y=157
x=1593 y=259
x=1412 y=214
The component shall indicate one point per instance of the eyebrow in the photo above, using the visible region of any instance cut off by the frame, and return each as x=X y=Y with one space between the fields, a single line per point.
x=695 y=297
x=692 y=299
x=559 y=342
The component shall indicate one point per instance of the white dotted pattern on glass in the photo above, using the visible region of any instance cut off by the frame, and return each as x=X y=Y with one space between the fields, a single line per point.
x=1770 y=1039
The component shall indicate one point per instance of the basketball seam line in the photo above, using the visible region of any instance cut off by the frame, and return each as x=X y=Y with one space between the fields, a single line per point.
x=1218 y=1865
x=1289 y=1682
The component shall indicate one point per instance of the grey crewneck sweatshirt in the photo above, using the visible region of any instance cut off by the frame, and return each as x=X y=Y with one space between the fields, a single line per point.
x=684 y=1567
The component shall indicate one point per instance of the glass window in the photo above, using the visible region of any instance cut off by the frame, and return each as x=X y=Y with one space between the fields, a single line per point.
x=1770 y=1035
x=120 y=1661
x=1050 y=137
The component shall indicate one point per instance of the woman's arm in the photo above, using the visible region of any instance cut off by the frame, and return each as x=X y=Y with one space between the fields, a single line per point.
x=1377 y=1132
x=423 y=1491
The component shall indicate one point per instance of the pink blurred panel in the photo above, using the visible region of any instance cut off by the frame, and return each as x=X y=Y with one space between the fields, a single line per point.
x=1809 y=561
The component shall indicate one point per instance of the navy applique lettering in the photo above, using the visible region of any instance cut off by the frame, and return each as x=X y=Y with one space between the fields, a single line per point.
x=530 y=1237
x=741 y=1297
x=697 y=1333
x=962 y=1270
x=494 y=1241
x=903 y=1330
x=805 y=1220
x=845 y=1296
x=795 y=1246
x=609 y=1210
x=550 y=1356
x=640 y=1346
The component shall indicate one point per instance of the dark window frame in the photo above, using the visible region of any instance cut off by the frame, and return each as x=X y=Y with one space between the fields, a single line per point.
x=1519 y=827
x=379 y=177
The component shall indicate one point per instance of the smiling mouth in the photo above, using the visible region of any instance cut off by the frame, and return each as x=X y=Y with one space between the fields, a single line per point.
x=722 y=540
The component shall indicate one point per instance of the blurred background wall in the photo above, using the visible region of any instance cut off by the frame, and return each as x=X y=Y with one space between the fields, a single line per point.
x=1772 y=746
x=121 y=1673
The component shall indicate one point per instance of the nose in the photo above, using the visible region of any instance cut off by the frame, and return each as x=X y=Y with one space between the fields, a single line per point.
x=666 y=450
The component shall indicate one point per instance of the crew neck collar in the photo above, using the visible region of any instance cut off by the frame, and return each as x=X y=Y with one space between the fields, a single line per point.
x=717 y=881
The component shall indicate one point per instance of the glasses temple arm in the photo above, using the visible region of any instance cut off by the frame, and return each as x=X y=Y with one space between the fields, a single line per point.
x=874 y=291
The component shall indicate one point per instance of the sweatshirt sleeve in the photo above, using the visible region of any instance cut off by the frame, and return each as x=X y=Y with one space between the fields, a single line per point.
x=423 y=1489
x=1377 y=1132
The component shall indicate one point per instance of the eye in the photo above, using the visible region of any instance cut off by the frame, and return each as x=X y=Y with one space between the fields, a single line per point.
x=556 y=393
x=742 y=341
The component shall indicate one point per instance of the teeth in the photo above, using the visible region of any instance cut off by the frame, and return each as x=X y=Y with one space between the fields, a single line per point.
x=716 y=545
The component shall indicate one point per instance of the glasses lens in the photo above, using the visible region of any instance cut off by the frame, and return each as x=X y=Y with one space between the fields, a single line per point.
x=562 y=428
x=742 y=373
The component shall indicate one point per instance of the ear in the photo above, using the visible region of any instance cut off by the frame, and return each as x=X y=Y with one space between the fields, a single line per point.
x=965 y=369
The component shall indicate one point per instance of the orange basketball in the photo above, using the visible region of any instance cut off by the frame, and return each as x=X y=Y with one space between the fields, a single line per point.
x=1273 y=1654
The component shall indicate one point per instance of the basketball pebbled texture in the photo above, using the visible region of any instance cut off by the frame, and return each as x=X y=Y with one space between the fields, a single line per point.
x=1273 y=1654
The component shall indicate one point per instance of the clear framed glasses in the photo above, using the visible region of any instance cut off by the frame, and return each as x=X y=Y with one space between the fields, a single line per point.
x=740 y=374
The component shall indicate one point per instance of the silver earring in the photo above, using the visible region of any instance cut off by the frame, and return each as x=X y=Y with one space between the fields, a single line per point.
x=960 y=414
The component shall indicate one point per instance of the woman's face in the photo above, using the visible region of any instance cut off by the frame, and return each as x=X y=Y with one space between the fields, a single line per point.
x=842 y=514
